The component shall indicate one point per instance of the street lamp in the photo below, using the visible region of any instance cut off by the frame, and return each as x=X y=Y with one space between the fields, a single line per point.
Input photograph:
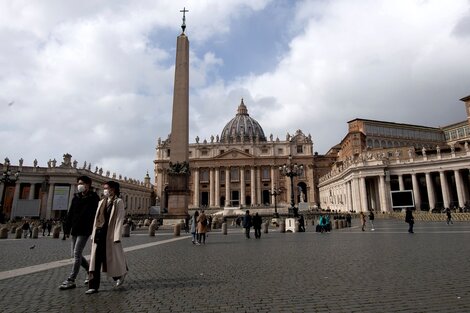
x=7 y=178
x=291 y=170
x=275 y=193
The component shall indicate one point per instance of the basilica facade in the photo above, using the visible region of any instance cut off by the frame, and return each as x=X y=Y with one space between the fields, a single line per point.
x=240 y=167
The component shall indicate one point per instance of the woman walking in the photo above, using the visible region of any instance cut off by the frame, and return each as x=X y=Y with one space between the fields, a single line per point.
x=106 y=250
x=363 y=221
x=201 y=228
x=193 y=223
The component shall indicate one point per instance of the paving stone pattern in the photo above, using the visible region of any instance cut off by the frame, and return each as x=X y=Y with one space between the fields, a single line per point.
x=347 y=270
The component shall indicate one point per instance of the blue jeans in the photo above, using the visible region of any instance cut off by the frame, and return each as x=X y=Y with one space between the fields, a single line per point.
x=78 y=244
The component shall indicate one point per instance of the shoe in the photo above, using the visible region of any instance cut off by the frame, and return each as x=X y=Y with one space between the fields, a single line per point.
x=198 y=244
x=86 y=281
x=68 y=284
x=120 y=281
x=91 y=291
x=372 y=229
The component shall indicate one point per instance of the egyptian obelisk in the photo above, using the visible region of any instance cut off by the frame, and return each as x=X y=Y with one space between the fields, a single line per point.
x=178 y=171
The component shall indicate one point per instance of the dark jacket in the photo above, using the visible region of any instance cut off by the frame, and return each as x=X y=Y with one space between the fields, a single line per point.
x=257 y=221
x=247 y=221
x=409 y=217
x=81 y=215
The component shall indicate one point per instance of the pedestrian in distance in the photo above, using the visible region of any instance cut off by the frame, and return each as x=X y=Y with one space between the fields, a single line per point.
x=193 y=223
x=257 y=221
x=247 y=223
x=410 y=220
x=301 y=223
x=25 y=228
x=449 y=216
x=79 y=224
x=348 y=219
x=371 y=220
x=106 y=249
x=362 y=216
x=49 y=227
x=201 y=228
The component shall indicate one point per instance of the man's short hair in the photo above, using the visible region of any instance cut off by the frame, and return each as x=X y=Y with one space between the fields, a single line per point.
x=85 y=179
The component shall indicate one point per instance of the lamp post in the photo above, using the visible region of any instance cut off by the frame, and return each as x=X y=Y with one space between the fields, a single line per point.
x=6 y=178
x=291 y=170
x=275 y=193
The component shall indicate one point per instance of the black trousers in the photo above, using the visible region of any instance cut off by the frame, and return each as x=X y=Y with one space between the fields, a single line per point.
x=257 y=232
x=100 y=259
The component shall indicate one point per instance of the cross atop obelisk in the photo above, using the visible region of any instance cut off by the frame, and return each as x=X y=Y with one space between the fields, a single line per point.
x=183 y=26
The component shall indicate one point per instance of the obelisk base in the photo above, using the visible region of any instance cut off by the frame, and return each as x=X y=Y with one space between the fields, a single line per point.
x=178 y=194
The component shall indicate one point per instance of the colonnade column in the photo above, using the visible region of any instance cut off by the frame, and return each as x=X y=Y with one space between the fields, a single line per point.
x=348 y=196
x=217 y=187
x=430 y=189
x=258 y=185
x=253 y=186
x=272 y=185
x=227 y=186
x=242 y=186
x=211 y=188
x=16 y=196
x=50 y=195
x=383 y=194
x=355 y=195
x=459 y=186
x=196 y=188
x=416 y=194
x=445 y=189
x=32 y=191
x=363 y=192
x=401 y=184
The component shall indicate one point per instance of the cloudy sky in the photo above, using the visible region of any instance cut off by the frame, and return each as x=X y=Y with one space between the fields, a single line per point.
x=95 y=78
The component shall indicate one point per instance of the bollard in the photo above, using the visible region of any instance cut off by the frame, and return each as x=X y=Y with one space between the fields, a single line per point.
x=35 y=232
x=152 y=228
x=282 y=227
x=18 y=233
x=265 y=227
x=4 y=233
x=56 y=232
x=126 y=230
x=336 y=224
x=224 y=228
x=177 y=230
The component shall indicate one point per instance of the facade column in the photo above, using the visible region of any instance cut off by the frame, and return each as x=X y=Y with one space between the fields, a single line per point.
x=416 y=194
x=273 y=187
x=459 y=186
x=242 y=186
x=227 y=187
x=363 y=192
x=217 y=187
x=253 y=186
x=32 y=190
x=401 y=184
x=258 y=185
x=445 y=189
x=211 y=188
x=311 y=191
x=430 y=189
x=16 y=197
x=196 y=188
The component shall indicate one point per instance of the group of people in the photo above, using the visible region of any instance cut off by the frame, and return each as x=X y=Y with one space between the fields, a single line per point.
x=101 y=220
x=371 y=220
x=252 y=221
x=199 y=227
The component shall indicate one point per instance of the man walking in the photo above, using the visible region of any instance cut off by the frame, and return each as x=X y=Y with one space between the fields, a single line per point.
x=79 y=223
x=257 y=221
x=410 y=220
x=247 y=223
x=371 y=220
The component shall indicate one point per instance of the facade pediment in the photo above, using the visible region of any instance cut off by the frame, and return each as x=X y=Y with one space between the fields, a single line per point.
x=233 y=153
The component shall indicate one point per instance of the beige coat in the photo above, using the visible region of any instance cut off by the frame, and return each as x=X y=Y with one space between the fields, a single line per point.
x=202 y=227
x=115 y=259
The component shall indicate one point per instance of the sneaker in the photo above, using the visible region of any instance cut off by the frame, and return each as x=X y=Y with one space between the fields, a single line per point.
x=68 y=284
x=373 y=229
x=86 y=281
x=120 y=281
x=91 y=291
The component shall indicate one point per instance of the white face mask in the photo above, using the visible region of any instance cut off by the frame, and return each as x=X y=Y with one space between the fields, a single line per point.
x=81 y=188
x=106 y=192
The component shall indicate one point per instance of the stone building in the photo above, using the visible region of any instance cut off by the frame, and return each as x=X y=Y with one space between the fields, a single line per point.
x=47 y=192
x=377 y=157
x=240 y=168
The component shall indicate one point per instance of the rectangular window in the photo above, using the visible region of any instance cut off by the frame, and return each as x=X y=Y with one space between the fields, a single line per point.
x=204 y=177
x=222 y=176
x=204 y=152
x=264 y=151
x=168 y=153
x=265 y=174
x=247 y=175
x=280 y=151
x=234 y=174
x=222 y=151
x=300 y=149
x=247 y=150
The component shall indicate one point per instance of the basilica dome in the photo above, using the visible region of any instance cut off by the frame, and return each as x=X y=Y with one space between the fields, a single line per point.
x=242 y=128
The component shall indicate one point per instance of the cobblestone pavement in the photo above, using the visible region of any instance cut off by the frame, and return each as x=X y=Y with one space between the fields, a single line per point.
x=347 y=270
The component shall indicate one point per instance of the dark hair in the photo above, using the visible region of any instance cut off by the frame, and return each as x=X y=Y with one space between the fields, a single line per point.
x=85 y=179
x=196 y=213
x=115 y=186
